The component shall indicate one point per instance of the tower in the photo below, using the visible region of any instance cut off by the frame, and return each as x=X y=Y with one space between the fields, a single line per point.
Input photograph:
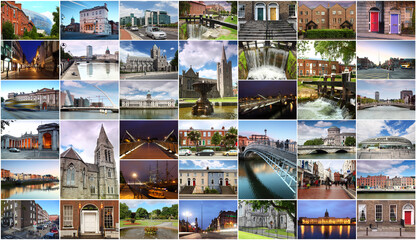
x=377 y=96
x=224 y=76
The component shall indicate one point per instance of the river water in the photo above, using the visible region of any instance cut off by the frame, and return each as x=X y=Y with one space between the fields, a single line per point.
x=327 y=156
x=326 y=231
x=396 y=195
x=149 y=113
x=386 y=112
x=36 y=191
x=266 y=63
x=275 y=111
x=319 y=109
x=99 y=71
x=93 y=114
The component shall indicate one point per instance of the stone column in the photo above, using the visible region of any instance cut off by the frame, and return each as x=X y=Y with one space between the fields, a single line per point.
x=54 y=140
x=40 y=141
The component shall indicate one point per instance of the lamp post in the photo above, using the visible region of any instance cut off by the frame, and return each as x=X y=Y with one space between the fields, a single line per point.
x=187 y=215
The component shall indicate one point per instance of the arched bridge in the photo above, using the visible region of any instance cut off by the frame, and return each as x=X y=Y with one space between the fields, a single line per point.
x=325 y=149
x=281 y=159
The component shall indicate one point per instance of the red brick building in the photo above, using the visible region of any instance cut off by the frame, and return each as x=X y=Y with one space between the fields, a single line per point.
x=53 y=218
x=89 y=217
x=316 y=67
x=12 y=12
x=197 y=8
x=373 y=181
x=206 y=136
x=337 y=177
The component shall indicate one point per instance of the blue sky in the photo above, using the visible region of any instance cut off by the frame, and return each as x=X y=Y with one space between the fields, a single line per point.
x=71 y=9
x=158 y=89
x=386 y=50
x=143 y=48
x=138 y=8
x=86 y=89
x=203 y=56
x=46 y=8
x=210 y=209
x=149 y=205
x=79 y=48
x=277 y=130
x=51 y=206
x=212 y=164
x=388 y=89
x=378 y=128
x=391 y=168
x=26 y=86
x=319 y=129
x=42 y=167
x=336 y=208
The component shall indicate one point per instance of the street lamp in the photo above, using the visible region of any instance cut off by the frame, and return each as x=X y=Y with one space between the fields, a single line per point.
x=187 y=215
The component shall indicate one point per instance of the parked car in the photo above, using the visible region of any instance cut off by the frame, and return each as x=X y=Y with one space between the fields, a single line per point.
x=40 y=227
x=185 y=152
x=14 y=150
x=155 y=33
x=54 y=230
x=206 y=152
x=230 y=153
x=51 y=235
x=134 y=28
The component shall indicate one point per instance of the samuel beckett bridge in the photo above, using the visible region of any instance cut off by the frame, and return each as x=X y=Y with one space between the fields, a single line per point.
x=280 y=156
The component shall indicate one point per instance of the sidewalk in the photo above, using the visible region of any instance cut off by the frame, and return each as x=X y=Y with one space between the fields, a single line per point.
x=385 y=235
x=370 y=36
x=127 y=35
x=68 y=73
x=335 y=192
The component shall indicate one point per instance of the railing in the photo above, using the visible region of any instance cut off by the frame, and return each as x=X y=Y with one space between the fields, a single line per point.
x=267 y=232
x=171 y=146
x=65 y=65
x=126 y=147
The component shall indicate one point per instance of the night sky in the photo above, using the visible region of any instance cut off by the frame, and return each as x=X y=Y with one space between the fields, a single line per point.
x=148 y=129
x=336 y=208
x=29 y=49
x=142 y=169
x=210 y=210
x=266 y=88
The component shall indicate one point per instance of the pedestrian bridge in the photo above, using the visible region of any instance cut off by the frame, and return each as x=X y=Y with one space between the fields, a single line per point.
x=325 y=149
x=280 y=159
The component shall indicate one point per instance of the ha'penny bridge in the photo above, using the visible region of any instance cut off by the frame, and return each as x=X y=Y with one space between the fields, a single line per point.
x=282 y=159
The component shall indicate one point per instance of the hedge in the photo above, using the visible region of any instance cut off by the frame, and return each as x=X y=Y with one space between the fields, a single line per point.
x=330 y=33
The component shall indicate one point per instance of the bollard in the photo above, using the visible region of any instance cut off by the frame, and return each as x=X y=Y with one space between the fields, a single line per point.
x=400 y=232
x=366 y=231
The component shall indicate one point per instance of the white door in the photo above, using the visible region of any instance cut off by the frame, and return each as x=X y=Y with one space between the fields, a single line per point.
x=90 y=223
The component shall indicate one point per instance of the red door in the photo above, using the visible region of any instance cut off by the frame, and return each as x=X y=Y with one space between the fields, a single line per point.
x=407 y=217
x=194 y=182
x=226 y=182
x=374 y=21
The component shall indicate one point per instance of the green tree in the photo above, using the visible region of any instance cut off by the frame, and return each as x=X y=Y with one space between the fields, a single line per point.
x=194 y=136
x=156 y=213
x=233 y=6
x=124 y=211
x=312 y=142
x=55 y=26
x=303 y=47
x=141 y=213
x=184 y=8
x=350 y=141
x=33 y=34
x=216 y=138
x=332 y=50
x=230 y=137
x=174 y=61
x=7 y=30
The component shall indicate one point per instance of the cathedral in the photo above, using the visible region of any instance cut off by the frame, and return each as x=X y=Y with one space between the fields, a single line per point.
x=98 y=180
x=155 y=63
x=224 y=82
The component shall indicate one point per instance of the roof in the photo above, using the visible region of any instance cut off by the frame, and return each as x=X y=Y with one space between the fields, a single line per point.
x=71 y=154
x=314 y=4
x=92 y=167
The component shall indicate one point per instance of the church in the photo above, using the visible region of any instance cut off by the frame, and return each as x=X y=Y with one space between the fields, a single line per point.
x=224 y=82
x=82 y=180
x=155 y=63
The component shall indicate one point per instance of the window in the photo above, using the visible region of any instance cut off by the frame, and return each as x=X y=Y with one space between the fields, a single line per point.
x=323 y=20
x=241 y=11
x=307 y=64
x=185 y=133
x=306 y=13
x=184 y=142
x=352 y=20
x=300 y=20
x=83 y=178
x=292 y=10
x=362 y=213
x=301 y=12
x=334 y=12
x=209 y=134
x=351 y=12
x=70 y=175
x=339 y=20
x=202 y=181
x=301 y=64
x=204 y=134
x=68 y=216
x=379 y=213
x=317 y=21
x=339 y=12
x=300 y=28
x=109 y=173
x=393 y=213
x=108 y=217
x=318 y=12
x=180 y=181
x=314 y=65
x=323 y=13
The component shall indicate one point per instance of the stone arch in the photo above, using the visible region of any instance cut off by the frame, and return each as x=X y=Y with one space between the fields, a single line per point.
x=47 y=140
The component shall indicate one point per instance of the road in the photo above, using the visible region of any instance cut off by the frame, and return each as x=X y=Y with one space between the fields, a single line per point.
x=30 y=73
x=172 y=34
x=150 y=75
x=150 y=151
x=29 y=154
x=335 y=192
x=78 y=35
x=209 y=235
x=378 y=73
x=24 y=234
x=5 y=114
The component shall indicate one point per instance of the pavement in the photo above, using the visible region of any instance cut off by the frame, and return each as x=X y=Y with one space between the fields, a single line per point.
x=24 y=233
x=5 y=114
x=209 y=235
x=150 y=75
x=85 y=36
x=385 y=235
x=29 y=154
x=335 y=192
x=385 y=154
x=67 y=75
x=30 y=73
x=379 y=73
x=208 y=196
x=172 y=34
x=374 y=36
x=150 y=151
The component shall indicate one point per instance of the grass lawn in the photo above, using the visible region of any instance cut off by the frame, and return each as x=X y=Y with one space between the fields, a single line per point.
x=226 y=99
x=280 y=232
x=233 y=32
x=246 y=235
x=147 y=222
x=175 y=224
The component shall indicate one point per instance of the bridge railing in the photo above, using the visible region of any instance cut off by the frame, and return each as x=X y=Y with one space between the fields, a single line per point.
x=290 y=147
x=125 y=147
x=172 y=146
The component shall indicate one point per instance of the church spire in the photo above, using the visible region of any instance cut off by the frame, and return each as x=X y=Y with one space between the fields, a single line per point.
x=224 y=57
x=102 y=138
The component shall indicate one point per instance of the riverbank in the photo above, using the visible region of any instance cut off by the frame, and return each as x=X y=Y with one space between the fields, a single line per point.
x=5 y=184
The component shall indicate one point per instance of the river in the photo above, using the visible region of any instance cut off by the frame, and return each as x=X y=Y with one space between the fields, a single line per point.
x=35 y=191
x=319 y=109
x=99 y=71
x=149 y=113
x=386 y=112
x=326 y=231
x=327 y=156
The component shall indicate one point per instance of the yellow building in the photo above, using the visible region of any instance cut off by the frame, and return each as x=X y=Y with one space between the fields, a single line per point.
x=326 y=220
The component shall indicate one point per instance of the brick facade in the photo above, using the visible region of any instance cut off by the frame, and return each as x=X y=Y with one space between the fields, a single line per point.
x=206 y=135
x=12 y=12
x=310 y=67
x=197 y=8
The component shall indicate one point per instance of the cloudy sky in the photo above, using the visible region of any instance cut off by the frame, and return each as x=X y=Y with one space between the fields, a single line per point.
x=159 y=89
x=389 y=168
x=203 y=56
x=388 y=89
x=143 y=48
x=378 y=128
x=212 y=164
x=384 y=50
x=71 y=9
x=46 y=8
x=79 y=48
x=86 y=89
x=334 y=165
x=319 y=129
x=277 y=130
x=138 y=8
x=26 y=86
x=149 y=205
x=82 y=135
x=206 y=124
x=19 y=127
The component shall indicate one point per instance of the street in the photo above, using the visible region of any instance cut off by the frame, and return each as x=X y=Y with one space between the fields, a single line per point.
x=27 y=233
x=209 y=235
x=335 y=192
x=5 y=114
x=78 y=35
x=29 y=154
x=379 y=73
x=376 y=36
x=171 y=33
x=30 y=73
x=150 y=75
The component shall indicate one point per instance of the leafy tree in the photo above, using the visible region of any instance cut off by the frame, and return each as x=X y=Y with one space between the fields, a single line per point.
x=303 y=47
x=230 y=137
x=194 y=136
x=7 y=30
x=332 y=50
x=233 y=6
x=124 y=211
x=184 y=8
x=33 y=34
x=128 y=25
x=141 y=213
x=156 y=212
x=55 y=26
x=316 y=141
x=350 y=141
x=174 y=61
x=216 y=138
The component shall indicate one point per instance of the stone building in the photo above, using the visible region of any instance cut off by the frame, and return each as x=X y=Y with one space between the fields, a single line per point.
x=95 y=20
x=386 y=216
x=18 y=214
x=155 y=63
x=82 y=180
x=224 y=82
x=89 y=219
x=107 y=56
x=222 y=180
x=326 y=219
x=47 y=56
x=268 y=218
x=46 y=98
x=12 y=12
x=328 y=15
x=149 y=102
x=386 y=17
x=336 y=138
x=72 y=27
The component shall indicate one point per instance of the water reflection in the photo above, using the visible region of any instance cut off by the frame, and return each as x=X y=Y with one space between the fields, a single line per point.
x=273 y=111
x=386 y=112
x=327 y=232
x=99 y=71
x=149 y=113
x=35 y=191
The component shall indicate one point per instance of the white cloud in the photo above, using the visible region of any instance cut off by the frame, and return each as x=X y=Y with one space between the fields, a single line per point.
x=128 y=49
x=126 y=11
x=323 y=124
x=48 y=15
x=70 y=83
x=390 y=168
x=373 y=128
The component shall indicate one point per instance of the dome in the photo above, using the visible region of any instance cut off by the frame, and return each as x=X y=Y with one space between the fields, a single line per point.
x=40 y=21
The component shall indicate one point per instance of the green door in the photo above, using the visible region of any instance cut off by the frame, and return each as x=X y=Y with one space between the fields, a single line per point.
x=260 y=14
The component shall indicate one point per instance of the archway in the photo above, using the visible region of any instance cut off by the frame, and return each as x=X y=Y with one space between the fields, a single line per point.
x=47 y=141
x=44 y=106
x=341 y=151
x=90 y=219
x=408 y=213
x=273 y=10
